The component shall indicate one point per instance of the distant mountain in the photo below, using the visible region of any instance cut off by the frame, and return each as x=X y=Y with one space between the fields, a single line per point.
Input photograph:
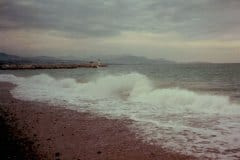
x=8 y=57
x=127 y=59
x=135 y=60
x=121 y=60
x=12 y=59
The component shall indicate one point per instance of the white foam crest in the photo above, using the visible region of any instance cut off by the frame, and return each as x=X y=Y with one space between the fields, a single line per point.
x=9 y=78
x=134 y=87
x=111 y=86
x=176 y=118
x=175 y=100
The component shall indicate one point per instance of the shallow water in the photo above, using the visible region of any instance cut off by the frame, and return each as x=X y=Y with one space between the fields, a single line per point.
x=189 y=108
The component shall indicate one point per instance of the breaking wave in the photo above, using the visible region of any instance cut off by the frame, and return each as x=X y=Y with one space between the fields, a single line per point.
x=201 y=124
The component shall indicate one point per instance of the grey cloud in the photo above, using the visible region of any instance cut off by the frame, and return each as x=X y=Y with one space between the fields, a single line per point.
x=200 y=19
x=193 y=19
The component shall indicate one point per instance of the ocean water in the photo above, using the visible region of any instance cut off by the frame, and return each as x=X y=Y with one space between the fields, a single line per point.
x=188 y=108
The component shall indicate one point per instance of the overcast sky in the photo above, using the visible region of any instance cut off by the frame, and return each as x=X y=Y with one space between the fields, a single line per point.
x=180 y=30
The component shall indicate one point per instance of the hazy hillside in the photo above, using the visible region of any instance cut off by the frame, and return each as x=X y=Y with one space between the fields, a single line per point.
x=7 y=58
x=135 y=60
x=12 y=59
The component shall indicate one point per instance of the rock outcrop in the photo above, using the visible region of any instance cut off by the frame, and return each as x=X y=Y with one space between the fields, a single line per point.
x=49 y=66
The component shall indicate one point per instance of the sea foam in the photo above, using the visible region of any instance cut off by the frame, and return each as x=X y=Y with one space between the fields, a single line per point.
x=204 y=125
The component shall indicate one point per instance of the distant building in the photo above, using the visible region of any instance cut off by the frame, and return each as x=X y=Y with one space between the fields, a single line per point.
x=99 y=62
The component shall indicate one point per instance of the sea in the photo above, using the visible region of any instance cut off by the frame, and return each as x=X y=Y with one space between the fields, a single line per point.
x=189 y=108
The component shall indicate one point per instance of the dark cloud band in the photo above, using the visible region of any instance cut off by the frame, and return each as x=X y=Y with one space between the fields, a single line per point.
x=194 y=19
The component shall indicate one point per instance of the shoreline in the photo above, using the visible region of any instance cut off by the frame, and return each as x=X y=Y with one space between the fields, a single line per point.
x=59 y=133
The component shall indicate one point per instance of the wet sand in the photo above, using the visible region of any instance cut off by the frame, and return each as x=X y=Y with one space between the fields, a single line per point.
x=56 y=133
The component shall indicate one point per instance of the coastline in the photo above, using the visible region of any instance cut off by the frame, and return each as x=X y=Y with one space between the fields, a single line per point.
x=59 y=133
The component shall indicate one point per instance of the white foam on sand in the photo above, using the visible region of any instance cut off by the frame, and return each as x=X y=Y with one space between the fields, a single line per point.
x=181 y=120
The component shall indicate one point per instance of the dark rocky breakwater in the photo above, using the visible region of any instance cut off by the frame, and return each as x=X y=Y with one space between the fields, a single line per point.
x=49 y=66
